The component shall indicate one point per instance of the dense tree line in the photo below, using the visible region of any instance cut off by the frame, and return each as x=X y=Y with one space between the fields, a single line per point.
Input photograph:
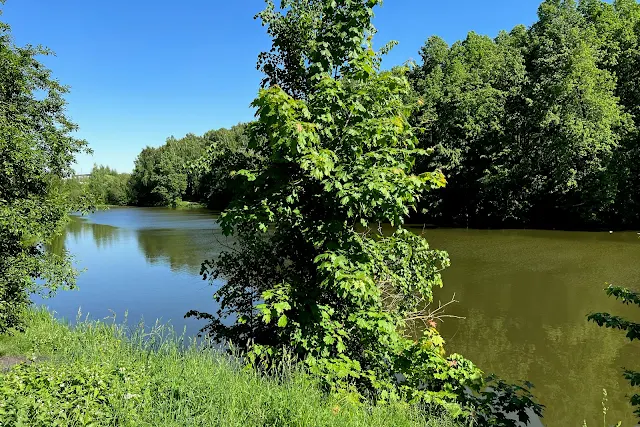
x=193 y=169
x=538 y=126
x=227 y=151
x=108 y=187
x=162 y=176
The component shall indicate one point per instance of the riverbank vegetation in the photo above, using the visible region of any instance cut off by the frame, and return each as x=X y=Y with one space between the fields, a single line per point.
x=193 y=170
x=103 y=373
x=537 y=127
x=317 y=300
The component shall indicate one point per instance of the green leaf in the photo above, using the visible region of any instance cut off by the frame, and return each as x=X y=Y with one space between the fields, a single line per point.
x=282 y=321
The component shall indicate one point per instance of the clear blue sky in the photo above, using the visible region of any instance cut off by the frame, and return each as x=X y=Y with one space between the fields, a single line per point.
x=142 y=70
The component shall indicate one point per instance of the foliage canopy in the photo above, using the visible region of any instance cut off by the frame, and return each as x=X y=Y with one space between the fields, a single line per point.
x=37 y=150
x=538 y=126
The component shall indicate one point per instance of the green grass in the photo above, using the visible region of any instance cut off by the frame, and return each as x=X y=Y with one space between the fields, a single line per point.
x=105 y=374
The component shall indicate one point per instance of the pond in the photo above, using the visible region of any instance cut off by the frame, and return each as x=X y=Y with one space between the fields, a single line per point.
x=140 y=262
x=524 y=296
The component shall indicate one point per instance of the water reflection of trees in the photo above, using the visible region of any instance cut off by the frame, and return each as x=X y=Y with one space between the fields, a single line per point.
x=57 y=245
x=569 y=365
x=525 y=300
x=182 y=249
x=104 y=236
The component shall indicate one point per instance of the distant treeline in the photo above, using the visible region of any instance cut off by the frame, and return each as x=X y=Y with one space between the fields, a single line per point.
x=537 y=127
x=190 y=169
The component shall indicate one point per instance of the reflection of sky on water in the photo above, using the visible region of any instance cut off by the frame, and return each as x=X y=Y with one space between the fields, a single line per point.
x=142 y=261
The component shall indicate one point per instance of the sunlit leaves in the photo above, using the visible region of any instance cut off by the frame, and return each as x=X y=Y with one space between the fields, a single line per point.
x=109 y=187
x=626 y=296
x=37 y=150
x=162 y=176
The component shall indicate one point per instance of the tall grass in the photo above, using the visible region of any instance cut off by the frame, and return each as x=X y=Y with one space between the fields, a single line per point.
x=186 y=383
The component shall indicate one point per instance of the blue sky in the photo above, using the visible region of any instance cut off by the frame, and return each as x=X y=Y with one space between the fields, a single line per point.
x=143 y=70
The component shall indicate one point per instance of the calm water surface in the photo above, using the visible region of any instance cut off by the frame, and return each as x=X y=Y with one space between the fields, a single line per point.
x=144 y=262
x=524 y=296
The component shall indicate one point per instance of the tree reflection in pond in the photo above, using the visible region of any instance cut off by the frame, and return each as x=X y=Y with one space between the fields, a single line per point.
x=525 y=296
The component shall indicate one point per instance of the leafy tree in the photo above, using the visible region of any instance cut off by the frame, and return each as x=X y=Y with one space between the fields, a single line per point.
x=170 y=179
x=617 y=25
x=143 y=178
x=575 y=117
x=195 y=168
x=303 y=46
x=309 y=273
x=107 y=186
x=37 y=149
x=528 y=127
x=75 y=191
x=626 y=296
x=471 y=96
x=227 y=151
x=161 y=176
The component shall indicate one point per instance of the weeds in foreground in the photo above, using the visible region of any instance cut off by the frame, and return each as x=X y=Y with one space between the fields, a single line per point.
x=103 y=373
x=604 y=411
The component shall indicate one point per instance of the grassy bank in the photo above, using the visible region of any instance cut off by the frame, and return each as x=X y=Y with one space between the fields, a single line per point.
x=99 y=374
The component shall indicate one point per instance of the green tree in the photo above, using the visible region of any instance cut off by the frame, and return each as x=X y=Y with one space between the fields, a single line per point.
x=575 y=119
x=310 y=274
x=626 y=296
x=162 y=176
x=471 y=97
x=76 y=192
x=170 y=175
x=528 y=127
x=143 y=178
x=37 y=150
x=227 y=151
x=109 y=187
x=617 y=25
